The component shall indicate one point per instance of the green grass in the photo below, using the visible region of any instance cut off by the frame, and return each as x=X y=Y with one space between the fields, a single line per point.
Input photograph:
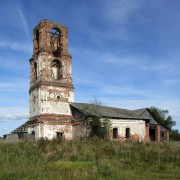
x=89 y=159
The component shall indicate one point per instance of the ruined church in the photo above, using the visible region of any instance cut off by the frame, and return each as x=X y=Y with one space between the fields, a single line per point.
x=53 y=112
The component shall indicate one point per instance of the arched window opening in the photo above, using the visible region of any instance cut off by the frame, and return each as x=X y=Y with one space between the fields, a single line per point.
x=37 y=39
x=127 y=133
x=56 y=69
x=55 y=41
x=35 y=71
x=115 y=133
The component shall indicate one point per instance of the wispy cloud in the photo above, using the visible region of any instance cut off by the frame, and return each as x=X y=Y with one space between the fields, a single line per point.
x=13 y=117
x=16 y=46
x=116 y=15
x=111 y=20
x=118 y=11
x=85 y=81
x=122 y=90
x=172 y=81
x=16 y=86
x=144 y=63
x=124 y=61
x=24 y=22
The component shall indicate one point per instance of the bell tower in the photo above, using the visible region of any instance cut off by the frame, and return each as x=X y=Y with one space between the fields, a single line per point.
x=51 y=87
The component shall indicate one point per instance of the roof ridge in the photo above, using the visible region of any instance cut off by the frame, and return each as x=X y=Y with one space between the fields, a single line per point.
x=104 y=106
x=106 y=111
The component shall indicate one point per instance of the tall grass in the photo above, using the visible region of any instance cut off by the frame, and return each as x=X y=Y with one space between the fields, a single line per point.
x=89 y=159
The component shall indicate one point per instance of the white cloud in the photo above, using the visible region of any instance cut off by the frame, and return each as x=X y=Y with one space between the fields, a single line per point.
x=116 y=15
x=172 y=81
x=118 y=11
x=11 y=117
x=85 y=81
x=16 y=86
x=121 y=90
x=11 y=85
x=24 y=22
x=124 y=61
x=144 y=63
x=16 y=46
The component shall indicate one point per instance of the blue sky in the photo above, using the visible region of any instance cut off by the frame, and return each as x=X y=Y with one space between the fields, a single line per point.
x=125 y=52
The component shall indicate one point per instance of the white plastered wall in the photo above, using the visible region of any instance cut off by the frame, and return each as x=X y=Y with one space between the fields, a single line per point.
x=36 y=129
x=50 y=104
x=34 y=103
x=137 y=128
x=50 y=131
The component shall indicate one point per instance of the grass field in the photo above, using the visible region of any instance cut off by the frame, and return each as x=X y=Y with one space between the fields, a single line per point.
x=89 y=159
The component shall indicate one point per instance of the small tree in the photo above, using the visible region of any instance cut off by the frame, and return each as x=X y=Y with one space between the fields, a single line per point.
x=163 y=117
x=98 y=125
x=175 y=135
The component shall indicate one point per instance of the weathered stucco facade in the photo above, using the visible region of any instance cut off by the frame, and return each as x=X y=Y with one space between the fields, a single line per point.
x=53 y=112
x=51 y=87
x=136 y=129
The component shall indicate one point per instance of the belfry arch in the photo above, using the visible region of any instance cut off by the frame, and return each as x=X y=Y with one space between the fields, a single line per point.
x=56 y=69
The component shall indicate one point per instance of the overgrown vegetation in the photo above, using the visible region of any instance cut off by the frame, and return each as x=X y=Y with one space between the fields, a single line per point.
x=175 y=135
x=166 y=120
x=89 y=159
x=163 y=117
x=99 y=127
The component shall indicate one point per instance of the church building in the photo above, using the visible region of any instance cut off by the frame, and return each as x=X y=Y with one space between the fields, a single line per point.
x=53 y=112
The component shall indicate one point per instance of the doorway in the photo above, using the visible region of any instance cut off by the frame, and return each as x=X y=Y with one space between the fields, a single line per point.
x=152 y=134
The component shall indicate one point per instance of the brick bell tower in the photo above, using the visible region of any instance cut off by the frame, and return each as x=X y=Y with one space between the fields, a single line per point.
x=51 y=87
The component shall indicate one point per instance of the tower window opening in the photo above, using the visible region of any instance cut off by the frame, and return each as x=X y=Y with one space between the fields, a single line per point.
x=56 y=69
x=115 y=133
x=55 y=41
x=35 y=70
x=37 y=39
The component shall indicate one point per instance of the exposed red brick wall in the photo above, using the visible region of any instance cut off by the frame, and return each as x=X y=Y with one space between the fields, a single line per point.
x=147 y=132
x=158 y=133
x=167 y=135
x=134 y=136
